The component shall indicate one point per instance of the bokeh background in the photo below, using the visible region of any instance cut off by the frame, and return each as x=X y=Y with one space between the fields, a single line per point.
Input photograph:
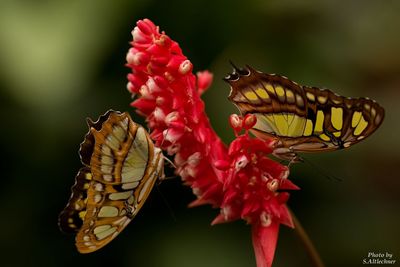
x=63 y=61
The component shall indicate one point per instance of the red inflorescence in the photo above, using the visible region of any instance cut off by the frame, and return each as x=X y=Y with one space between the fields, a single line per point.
x=241 y=180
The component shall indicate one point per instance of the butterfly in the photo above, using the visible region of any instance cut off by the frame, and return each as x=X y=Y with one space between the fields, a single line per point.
x=301 y=118
x=120 y=167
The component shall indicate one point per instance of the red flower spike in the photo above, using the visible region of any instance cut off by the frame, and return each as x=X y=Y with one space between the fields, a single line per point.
x=240 y=180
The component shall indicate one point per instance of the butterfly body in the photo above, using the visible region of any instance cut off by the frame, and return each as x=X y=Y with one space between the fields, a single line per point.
x=301 y=119
x=121 y=165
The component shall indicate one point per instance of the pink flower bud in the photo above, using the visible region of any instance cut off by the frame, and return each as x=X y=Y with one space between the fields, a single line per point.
x=140 y=58
x=175 y=63
x=273 y=185
x=155 y=50
x=145 y=92
x=153 y=87
x=164 y=41
x=241 y=162
x=159 y=114
x=236 y=122
x=130 y=56
x=146 y=26
x=222 y=164
x=139 y=36
x=129 y=87
x=172 y=134
x=171 y=117
x=249 y=121
x=265 y=219
x=135 y=81
x=161 y=82
x=160 y=60
x=185 y=67
x=204 y=80
x=194 y=159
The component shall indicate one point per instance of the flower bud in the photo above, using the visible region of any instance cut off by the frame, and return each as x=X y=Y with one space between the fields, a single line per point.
x=241 y=162
x=146 y=26
x=265 y=219
x=273 y=185
x=185 y=67
x=249 y=121
x=236 y=122
x=204 y=80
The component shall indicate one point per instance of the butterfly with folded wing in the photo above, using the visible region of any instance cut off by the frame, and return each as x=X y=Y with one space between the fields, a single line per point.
x=120 y=167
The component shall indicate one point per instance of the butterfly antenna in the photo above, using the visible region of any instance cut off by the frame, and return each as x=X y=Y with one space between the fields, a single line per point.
x=164 y=137
x=322 y=171
x=239 y=71
x=167 y=205
x=170 y=177
x=170 y=162
x=235 y=68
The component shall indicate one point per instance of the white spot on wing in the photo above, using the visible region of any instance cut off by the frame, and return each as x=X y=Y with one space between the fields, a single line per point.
x=108 y=211
x=120 y=195
x=130 y=185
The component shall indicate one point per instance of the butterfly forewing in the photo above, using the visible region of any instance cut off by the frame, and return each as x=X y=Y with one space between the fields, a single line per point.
x=124 y=165
x=303 y=119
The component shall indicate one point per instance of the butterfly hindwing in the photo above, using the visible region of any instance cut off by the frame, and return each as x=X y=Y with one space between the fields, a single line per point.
x=71 y=218
x=124 y=165
x=303 y=119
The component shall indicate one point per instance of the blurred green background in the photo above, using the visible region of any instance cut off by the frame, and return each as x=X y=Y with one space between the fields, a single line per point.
x=62 y=61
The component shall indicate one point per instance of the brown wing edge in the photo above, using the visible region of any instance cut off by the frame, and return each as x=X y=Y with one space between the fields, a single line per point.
x=87 y=146
x=246 y=77
x=75 y=204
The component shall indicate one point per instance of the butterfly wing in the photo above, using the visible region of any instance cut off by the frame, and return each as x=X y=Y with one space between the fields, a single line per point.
x=302 y=119
x=70 y=219
x=124 y=165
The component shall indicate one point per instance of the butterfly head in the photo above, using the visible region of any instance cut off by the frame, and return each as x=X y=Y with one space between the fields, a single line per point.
x=160 y=165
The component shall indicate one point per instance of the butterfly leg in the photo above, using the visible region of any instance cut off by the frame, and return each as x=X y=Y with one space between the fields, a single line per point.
x=287 y=154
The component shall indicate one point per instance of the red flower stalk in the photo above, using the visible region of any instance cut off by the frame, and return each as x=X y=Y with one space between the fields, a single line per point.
x=241 y=180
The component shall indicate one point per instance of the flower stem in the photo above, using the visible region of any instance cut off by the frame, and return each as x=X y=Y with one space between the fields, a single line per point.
x=307 y=243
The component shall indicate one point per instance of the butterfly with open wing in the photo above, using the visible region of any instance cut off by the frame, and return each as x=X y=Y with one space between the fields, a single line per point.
x=121 y=166
x=301 y=118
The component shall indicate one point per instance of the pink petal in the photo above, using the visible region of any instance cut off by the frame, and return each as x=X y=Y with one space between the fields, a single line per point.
x=198 y=202
x=264 y=243
x=219 y=219
x=286 y=217
x=144 y=105
x=288 y=185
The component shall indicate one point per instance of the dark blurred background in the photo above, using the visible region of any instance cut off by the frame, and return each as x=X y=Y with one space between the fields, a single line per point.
x=62 y=61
